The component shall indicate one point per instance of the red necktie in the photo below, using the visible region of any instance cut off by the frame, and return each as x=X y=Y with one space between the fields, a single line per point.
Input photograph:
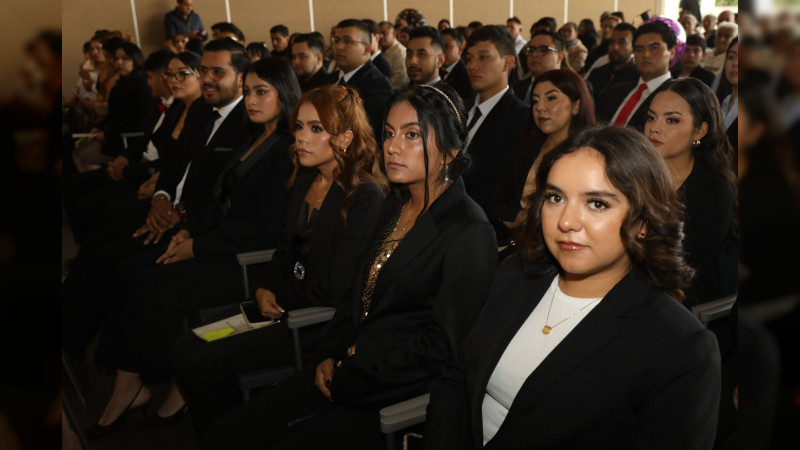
x=626 y=111
x=162 y=107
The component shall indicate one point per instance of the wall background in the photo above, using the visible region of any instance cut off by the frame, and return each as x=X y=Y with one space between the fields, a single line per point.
x=255 y=17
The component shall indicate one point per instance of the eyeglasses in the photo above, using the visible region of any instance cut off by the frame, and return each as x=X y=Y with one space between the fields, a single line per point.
x=540 y=50
x=347 y=41
x=216 y=72
x=177 y=76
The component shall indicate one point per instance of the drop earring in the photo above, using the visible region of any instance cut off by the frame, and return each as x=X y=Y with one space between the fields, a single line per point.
x=696 y=143
x=446 y=174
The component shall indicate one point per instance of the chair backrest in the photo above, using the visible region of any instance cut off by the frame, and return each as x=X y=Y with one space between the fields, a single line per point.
x=714 y=309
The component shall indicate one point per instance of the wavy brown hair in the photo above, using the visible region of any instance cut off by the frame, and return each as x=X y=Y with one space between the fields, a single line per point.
x=340 y=109
x=634 y=167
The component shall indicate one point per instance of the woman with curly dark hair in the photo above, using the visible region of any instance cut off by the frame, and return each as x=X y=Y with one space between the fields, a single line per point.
x=685 y=124
x=582 y=343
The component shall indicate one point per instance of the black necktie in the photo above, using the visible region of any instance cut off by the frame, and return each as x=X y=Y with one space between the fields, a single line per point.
x=212 y=119
x=442 y=73
x=474 y=119
x=341 y=80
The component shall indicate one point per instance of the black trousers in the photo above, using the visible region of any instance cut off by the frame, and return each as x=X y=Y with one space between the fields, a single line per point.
x=207 y=371
x=147 y=310
x=294 y=415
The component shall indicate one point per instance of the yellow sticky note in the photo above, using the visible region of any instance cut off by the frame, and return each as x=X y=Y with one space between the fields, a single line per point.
x=217 y=334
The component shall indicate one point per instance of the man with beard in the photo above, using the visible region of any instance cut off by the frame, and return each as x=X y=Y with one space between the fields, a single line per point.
x=424 y=55
x=620 y=68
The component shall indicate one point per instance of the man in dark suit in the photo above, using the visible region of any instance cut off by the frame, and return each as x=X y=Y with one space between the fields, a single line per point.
x=496 y=118
x=351 y=51
x=454 y=71
x=691 y=59
x=544 y=52
x=626 y=104
x=376 y=54
x=307 y=53
x=424 y=55
x=620 y=68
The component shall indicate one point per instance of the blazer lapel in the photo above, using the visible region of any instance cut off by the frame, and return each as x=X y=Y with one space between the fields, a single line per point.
x=592 y=333
x=299 y=190
x=524 y=300
x=234 y=119
x=328 y=214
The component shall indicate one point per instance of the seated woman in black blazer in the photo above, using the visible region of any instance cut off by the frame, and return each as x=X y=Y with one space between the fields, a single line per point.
x=582 y=343
x=685 y=125
x=560 y=107
x=198 y=268
x=417 y=293
x=728 y=92
x=337 y=190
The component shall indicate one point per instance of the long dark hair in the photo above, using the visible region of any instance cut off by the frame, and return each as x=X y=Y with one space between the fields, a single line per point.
x=633 y=166
x=441 y=109
x=574 y=87
x=715 y=149
x=725 y=88
x=340 y=109
x=277 y=72
x=135 y=53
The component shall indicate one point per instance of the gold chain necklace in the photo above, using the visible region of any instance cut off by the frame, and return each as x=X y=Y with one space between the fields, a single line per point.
x=546 y=329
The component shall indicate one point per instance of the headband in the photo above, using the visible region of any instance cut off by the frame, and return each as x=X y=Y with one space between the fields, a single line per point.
x=446 y=98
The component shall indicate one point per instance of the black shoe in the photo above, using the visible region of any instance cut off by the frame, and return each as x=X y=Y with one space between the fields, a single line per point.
x=97 y=430
x=156 y=421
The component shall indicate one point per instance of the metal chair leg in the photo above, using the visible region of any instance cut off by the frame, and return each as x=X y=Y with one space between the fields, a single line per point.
x=71 y=375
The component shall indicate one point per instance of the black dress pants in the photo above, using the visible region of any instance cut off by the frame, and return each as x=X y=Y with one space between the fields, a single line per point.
x=294 y=415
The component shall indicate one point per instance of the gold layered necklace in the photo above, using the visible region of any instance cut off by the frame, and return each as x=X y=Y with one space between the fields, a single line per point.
x=391 y=239
x=546 y=329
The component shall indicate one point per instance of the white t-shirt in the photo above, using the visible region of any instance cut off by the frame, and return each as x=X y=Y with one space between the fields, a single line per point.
x=527 y=350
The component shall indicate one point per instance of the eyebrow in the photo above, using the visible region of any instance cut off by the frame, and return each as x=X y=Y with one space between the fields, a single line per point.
x=311 y=122
x=405 y=125
x=259 y=85
x=604 y=194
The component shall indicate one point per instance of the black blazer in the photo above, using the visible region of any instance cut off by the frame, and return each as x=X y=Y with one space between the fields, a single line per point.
x=491 y=147
x=334 y=252
x=458 y=79
x=374 y=89
x=249 y=201
x=522 y=90
x=425 y=301
x=639 y=371
x=610 y=100
x=129 y=104
x=383 y=66
x=162 y=140
x=710 y=247
x=706 y=76
x=207 y=160
x=605 y=76
x=321 y=78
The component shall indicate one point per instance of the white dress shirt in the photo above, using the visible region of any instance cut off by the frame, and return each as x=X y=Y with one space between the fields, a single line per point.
x=485 y=107
x=652 y=85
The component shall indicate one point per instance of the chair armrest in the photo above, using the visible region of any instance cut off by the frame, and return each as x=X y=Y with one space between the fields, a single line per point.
x=714 y=309
x=256 y=257
x=131 y=134
x=303 y=317
x=404 y=414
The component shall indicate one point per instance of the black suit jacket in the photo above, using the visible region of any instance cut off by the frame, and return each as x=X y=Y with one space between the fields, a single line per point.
x=383 y=66
x=162 y=140
x=374 y=89
x=639 y=371
x=249 y=201
x=458 y=79
x=522 y=90
x=710 y=247
x=207 y=160
x=605 y=76
x=706 y=76
x=129 y=104
x=331 y=259
x=425 y=301
x=491 y=147
x=321 y=78
x=610 y=100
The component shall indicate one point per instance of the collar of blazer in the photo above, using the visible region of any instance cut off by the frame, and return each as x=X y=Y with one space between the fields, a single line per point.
x=328 y=211
x=425 y=230
x=227 y=129
x=595 y=330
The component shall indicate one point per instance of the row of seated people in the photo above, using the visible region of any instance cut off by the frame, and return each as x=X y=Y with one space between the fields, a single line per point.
x=221 y=190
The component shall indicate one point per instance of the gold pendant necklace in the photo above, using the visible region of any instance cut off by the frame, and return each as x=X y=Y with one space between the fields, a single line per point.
x=546 y=329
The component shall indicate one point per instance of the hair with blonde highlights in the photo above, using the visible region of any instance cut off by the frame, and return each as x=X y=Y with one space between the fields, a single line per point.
x=340 y=109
